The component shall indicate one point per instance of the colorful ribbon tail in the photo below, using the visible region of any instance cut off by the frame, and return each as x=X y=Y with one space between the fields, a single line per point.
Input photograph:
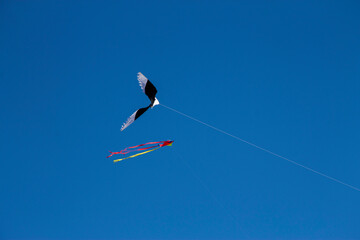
x=118 y=160
x=110 y=154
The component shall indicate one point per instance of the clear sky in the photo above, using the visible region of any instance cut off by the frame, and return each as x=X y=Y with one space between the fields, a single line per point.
x=281 y=74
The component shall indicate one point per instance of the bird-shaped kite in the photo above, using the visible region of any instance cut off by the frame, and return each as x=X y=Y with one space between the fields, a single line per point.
x=150 y=91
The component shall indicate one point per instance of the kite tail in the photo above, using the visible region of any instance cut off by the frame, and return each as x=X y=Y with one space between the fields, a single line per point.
x=113 y=153
x=118 y=160
x=156 y=145
x=136 y=148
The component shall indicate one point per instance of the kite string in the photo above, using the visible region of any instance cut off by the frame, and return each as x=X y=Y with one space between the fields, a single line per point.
x=263 y=149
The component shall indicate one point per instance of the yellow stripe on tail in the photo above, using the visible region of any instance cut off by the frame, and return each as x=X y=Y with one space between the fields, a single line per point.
x=118 y=160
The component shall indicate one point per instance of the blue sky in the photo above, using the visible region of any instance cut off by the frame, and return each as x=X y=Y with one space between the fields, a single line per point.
x=281 y=74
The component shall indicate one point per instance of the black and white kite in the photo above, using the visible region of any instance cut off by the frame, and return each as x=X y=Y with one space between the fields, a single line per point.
x=150 y=91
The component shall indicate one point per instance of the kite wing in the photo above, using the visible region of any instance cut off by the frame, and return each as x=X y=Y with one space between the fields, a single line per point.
x=148 y=88
x=133 y=117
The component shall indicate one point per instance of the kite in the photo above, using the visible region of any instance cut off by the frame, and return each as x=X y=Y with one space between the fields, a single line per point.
x=142 y=147
x=150 y=91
